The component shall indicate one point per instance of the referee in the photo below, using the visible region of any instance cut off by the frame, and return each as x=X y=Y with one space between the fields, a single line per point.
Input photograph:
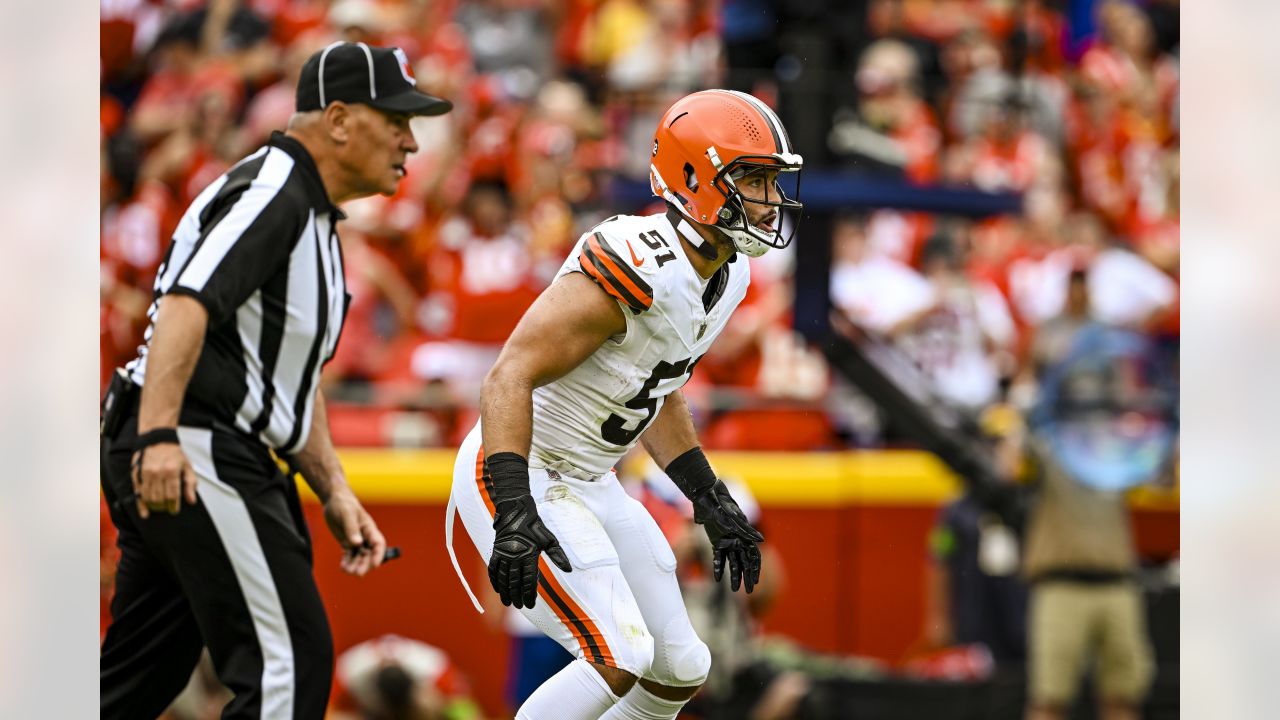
x=249 y=303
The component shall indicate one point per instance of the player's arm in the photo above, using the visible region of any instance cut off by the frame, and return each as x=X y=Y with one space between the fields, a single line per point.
x=672 y=433
x=672 y=441
x=567 y=323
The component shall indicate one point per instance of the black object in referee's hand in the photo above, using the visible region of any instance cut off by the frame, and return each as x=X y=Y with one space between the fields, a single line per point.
x=391 y=553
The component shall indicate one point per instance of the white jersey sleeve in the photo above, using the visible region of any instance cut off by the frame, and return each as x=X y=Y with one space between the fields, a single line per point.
x=623 y=260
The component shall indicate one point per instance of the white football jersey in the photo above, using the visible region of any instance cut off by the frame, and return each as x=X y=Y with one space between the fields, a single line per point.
x=586 y=420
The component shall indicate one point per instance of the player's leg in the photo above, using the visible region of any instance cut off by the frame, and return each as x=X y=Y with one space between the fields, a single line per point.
x=589 y=611
x=153 y=642
x=681 y=660
x=535 y=658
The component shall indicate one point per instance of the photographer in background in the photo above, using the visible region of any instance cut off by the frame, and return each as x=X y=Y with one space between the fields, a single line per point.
x=1105 y=422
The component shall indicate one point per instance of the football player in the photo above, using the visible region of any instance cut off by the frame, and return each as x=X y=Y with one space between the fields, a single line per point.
x=596 y=366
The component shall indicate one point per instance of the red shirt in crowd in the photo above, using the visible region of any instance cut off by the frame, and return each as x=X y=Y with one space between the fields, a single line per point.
x=480 y=286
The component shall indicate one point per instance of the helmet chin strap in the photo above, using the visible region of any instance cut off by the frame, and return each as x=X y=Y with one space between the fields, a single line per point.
x=706 y=249
x=741 y=240
x=678 y=218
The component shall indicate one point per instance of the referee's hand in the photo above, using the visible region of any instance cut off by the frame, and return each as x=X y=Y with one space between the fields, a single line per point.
x=163 y=480
x=362 y=543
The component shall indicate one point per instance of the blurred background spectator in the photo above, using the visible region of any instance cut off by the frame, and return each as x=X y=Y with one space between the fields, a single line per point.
x=985 y=180
x=396 y=678
x=962 y=337
x=1104 y=424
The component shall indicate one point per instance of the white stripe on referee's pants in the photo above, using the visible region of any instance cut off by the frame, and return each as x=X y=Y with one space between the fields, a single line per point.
x=235 y=528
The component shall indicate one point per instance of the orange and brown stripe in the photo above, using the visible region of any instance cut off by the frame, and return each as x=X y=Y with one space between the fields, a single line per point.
x=579 y=623
x=586 y=632
x=606 y=267
x=484 y=482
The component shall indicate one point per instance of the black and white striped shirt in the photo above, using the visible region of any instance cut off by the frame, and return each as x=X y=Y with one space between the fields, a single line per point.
x=259 y=250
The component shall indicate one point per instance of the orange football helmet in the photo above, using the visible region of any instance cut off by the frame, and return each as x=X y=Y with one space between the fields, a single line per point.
x=708 y=140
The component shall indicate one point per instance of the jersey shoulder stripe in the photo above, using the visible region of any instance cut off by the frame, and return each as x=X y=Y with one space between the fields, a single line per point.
x=606 y=267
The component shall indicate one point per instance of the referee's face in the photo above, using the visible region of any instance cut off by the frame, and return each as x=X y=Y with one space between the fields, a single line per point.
x=380 y=144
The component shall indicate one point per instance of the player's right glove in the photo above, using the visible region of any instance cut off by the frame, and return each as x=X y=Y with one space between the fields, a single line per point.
x=520 y=535
x=734 y=541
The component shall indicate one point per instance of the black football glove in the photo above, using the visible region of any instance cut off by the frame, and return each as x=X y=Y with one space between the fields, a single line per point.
x=521 y=537
x=734 y=542
x=520 y=534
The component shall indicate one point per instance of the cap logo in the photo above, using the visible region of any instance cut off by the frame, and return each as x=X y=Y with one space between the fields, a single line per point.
x=405 y=68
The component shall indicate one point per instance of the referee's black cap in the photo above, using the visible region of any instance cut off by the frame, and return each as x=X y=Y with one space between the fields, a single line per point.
x=360 y=73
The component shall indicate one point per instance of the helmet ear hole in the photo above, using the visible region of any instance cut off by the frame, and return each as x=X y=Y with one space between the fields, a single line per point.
x=690 y=178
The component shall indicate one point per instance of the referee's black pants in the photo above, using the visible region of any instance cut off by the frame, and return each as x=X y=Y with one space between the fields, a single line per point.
x=232 y=573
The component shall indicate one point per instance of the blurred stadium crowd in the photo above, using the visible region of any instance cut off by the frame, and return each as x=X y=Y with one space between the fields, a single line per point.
x=1072 y=104
x=556 y=103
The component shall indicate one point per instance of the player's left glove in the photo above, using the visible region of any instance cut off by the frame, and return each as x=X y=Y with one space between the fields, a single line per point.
x=734 y=541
